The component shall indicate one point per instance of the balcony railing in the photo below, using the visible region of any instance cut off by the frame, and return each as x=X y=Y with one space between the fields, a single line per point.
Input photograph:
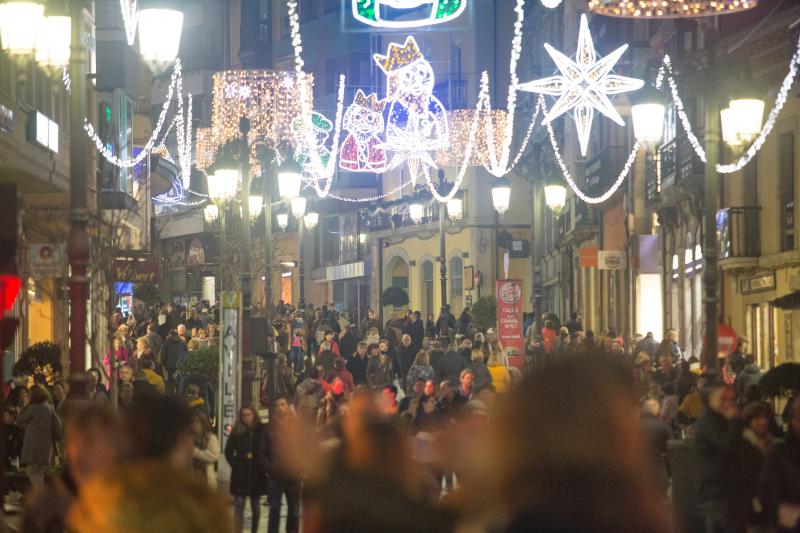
x=673 y=163
x=601 y=170
x=739 y=232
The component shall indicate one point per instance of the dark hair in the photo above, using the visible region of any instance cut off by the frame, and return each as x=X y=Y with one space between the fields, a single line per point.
x=39 y=394
x=668 y=388
x=339 y=363
x=155 y=424
x=485 y=386
x=573 y=315
x=313 y=373
x=147 y=363
x=372 y=346
x=756 y=410
x=282 y=397
x=205 y=424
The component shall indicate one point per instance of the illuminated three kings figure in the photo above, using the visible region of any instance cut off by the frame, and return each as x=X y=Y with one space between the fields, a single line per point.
x=417 y=121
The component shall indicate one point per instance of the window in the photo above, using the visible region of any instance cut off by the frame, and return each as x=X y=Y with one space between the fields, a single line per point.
x=786 y=190
x=427 y=287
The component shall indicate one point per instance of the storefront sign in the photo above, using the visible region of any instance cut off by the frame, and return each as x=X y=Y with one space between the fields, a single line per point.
x=137 y=271
x=611 y=260
x=588 y=256
x=46 y=261
x=509 y=315
x=6 y=120
x=228 y=379
x=760 y=283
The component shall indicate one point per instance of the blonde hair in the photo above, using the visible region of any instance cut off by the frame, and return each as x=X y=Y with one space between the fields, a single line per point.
x=422 y=358
x=193 y=344
x=477 y=355
x=145 y=342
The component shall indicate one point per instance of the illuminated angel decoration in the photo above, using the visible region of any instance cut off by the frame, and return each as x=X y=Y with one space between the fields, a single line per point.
x=584 y=84
x=417 y=120
x=321 y=127
x=361 y=150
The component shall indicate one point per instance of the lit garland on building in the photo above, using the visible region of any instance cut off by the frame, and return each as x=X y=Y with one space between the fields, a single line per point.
x=668 y=8
x=460 y=122
x=204 y=148
x=371 y=12
x=130 y=16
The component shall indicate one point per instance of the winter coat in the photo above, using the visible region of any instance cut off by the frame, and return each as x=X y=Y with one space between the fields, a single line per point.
x=780 y=482
x=171 y=351
x=325 y=360
x=348 y=344
x=449 y=368
x=155 y=341
x=205 y=461
x=247 y=474
x=42 y=429
x=358 y=368
x=271 y=456
x=346 y=377
x=309 y=393
x=417 y=332
x=501 y=379
x=417 y=372
x=405 y=358
x=480 y=373
x=750 y=375
x=379 y=371
x=718 y=442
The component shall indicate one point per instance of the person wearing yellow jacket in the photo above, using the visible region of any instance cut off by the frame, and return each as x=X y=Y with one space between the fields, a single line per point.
x=501 y=379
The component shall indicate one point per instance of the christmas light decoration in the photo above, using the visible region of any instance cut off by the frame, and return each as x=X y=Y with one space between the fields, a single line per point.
x=584 y=84
x=460 y=121
x=668 y=8
x=204 y=148
x=321 y=127
x=268 y=98
x=372 y=198
x=417 y=121
x=361 y=150
x=406 y=13
x=130 y=18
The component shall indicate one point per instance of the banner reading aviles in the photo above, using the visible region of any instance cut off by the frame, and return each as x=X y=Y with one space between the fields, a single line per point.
x=509 y=315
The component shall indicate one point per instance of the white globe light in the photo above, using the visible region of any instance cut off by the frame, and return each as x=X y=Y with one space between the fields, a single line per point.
x=53 y=40
x=289 y=180
x=299 y=206
x=159 y=36
x=555 y=196
x=222 y=184
x=415 y=211
x=551 y=4
x=256 y=202
x=211 y=213
x=455 y=208
x=741 y=121
x=283 y=220
x=18 y=24
x=501 y=195
x=311 y=219
x=648 y=122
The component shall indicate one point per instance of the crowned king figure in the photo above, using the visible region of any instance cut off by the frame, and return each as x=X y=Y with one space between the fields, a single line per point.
x=361 y=150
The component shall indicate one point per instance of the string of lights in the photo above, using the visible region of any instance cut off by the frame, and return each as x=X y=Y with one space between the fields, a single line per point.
x=337 y=129
x=130 y=17
x=373 y=198
x=563 y=166
x=766 y=129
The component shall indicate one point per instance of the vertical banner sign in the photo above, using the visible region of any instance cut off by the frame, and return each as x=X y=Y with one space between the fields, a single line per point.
x=229 y=342
x=509 y=315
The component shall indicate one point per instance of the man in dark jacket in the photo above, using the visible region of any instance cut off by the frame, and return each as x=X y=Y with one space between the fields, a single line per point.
x=370 y=322
x=357 y=364
x=446 y=324
x=718 y=441
x=573 y=324
x=169 y=355
x=749 y=376
x=406 y=353
x=348 y=342
x=280 y=481
x=780 y=484
x=416 y=329
x=449 y=366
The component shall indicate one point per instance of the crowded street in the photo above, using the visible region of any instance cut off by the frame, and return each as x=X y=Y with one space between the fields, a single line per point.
x=356 y=266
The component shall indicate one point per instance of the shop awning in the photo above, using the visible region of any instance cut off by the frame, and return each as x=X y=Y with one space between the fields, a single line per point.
x=789 y=301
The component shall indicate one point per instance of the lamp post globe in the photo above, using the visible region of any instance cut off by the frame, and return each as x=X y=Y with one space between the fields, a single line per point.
x=256 y=203
x=283 y=220
x=555 y=196
x=415 y=211
x=501 y=195
x=289 y=179
x=455 y=208
x=741 y=121
x=311 y=219
x=159 y=23
x=19 y=22
x=224 y=180
x=648 y=113
x=299 y=206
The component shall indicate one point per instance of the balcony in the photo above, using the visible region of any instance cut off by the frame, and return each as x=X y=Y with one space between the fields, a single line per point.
x=673 y=172
x=739 y=237
x=585 y=225
x=602 y=170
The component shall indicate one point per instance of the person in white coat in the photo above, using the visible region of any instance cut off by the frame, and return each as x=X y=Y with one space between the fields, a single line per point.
x=206 y=448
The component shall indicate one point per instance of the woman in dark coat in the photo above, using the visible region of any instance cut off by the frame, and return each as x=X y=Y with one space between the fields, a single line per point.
x=248 y=479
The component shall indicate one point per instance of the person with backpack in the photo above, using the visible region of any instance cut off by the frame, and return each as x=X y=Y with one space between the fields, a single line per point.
x=309 y=393
x=42 y=430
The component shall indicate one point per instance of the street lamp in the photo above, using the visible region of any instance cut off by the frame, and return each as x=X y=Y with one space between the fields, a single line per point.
x=160 y=23
x=299 y=206
x=283 y=220
x=455 y=208
x=741 y=121
x=415 y=211
x=647 y=113
x=224 y=180
x=211 y=213
x=18 y=24
x=310 y=220
x=256 y=202
x=555 y=196
x=501 y=195
x=53 y=39
x=289 y=179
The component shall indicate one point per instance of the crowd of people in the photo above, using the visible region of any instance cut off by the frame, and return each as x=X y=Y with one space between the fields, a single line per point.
x=407 y=425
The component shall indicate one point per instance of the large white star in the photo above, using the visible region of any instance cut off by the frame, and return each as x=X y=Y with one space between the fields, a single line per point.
x=584 y=84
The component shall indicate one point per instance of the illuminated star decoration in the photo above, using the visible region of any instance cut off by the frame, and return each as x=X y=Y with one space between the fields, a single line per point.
x=584 y=84
x=381 y=13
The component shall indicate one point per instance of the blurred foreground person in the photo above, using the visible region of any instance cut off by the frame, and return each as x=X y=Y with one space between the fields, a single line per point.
x=371 y=481
x=248 y=480
x=568 y=455
x=281 y=481
x=93 y=445
x=780 y=487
